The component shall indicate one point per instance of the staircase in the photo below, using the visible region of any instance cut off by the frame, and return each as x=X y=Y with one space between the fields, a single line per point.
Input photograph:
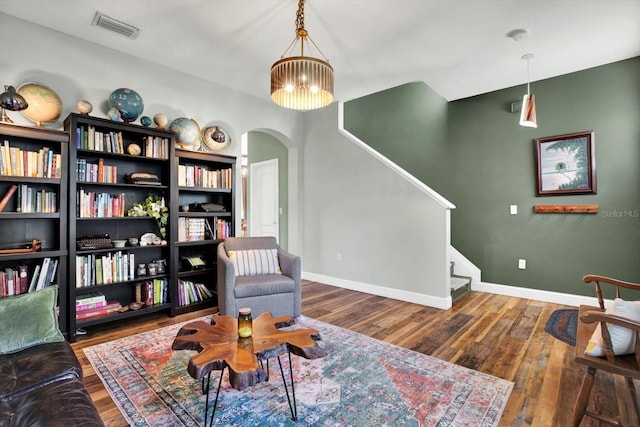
x=460 y=285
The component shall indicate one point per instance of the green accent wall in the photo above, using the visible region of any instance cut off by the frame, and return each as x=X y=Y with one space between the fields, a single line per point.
x=262 y=146
x=474 y=153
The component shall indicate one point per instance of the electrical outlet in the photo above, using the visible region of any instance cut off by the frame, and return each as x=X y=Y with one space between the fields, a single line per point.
x=522 y=264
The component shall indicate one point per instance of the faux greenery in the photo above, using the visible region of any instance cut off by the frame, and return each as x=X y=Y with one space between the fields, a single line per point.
x=154 y=207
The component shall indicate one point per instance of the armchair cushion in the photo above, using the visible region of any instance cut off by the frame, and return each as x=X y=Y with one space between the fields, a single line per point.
x=255 y=262
x=622 y=339
x=29 y=319
x=267 y=284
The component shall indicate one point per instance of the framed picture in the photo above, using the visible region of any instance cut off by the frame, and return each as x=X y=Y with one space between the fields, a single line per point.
x=566 y=164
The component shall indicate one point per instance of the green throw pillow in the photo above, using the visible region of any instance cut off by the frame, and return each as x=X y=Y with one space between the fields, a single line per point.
x=29 y=319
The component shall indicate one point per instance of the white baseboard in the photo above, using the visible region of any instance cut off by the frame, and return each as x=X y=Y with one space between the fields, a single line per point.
x=428 y=300
x=445 y=303
x=536 y=294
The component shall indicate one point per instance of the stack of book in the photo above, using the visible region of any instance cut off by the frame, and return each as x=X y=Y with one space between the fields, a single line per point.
x=96 y=269
x=96 y=171
x=190 y=292
x=99 y=205
x=198 y=176
x=191 y=229
x=94 y=304
x=30 y=199
x=43 y=163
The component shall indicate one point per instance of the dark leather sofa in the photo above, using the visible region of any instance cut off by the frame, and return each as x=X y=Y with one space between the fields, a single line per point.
x=42 y=386
x=40 y=375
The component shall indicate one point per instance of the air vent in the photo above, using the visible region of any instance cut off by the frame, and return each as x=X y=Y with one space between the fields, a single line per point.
x=116 y=26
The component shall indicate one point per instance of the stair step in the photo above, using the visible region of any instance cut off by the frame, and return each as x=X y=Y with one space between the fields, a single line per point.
x=459 y=282
x=460 y=285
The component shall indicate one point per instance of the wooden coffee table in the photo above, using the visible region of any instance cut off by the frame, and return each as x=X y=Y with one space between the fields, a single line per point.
x=219 y=347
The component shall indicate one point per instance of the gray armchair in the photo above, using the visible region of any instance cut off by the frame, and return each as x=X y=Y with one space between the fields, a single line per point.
x=278 y=293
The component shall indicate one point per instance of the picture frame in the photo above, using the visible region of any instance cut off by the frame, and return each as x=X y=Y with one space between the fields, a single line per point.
x=566 y=164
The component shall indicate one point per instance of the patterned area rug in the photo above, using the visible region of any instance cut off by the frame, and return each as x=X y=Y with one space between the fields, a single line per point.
x=361 y=382
x=563 y=324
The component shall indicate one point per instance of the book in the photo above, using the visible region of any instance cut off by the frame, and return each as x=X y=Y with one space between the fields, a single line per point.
x=9 y=275
x=44 y=271
x=34 y=278
x=90 y=298
x=88 y=306
x=51 y=273
x=110 y=307
x=23 y=279
x=7 y=197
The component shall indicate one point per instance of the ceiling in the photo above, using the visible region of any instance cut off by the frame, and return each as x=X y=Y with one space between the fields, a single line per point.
x=459 y=48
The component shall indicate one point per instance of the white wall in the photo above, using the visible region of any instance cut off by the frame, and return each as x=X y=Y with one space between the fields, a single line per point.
x=351 y=203
x=77 y=70
x=393 y=239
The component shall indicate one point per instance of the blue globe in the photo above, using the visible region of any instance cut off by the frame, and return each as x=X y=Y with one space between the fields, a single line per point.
x=127 y=102
x=187 y=132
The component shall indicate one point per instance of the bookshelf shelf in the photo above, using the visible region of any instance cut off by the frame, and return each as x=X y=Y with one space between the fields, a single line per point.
x=112 y=317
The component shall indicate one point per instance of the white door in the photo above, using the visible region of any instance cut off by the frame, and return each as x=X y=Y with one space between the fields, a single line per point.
x=264 y=204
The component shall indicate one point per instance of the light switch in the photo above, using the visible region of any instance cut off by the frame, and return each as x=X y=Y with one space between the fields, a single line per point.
x=513 y=209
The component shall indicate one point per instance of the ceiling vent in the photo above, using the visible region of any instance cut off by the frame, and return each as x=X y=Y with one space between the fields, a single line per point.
x=108 y=23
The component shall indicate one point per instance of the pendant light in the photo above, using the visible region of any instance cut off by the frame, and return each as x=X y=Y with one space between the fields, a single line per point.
x=301 y=82
x=528 y=111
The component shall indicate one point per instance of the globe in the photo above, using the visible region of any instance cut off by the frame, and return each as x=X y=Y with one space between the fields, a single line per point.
x=45 y=106
x=187 y=132
x=145 y=121
x=127 y=102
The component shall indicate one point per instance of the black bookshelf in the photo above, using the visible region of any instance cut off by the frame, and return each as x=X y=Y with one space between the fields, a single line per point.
x=37 y=210
x=201 y=180
x=102 y=156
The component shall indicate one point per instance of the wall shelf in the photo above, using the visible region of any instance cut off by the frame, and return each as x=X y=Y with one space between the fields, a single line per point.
x=591 y=209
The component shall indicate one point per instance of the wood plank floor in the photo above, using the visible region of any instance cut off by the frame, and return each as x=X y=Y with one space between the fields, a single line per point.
x=499 y=335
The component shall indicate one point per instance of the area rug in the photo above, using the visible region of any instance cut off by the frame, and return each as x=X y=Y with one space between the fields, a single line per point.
x=361 y=382
x=562 y=324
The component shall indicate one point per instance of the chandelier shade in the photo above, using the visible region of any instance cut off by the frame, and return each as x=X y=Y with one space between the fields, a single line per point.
x=300 y=82
x=528 y=113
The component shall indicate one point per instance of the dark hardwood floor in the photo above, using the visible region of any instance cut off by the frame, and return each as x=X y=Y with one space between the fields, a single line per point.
x=499 y=335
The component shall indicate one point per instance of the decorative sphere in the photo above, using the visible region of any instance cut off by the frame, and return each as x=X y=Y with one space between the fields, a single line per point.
x=84 y=107
x=127 y=102
x=45 y=106
x=114 y=114
x=161 y=120
x=134 y=149
x=214 y=138
x=187 y=133
x=145 y=121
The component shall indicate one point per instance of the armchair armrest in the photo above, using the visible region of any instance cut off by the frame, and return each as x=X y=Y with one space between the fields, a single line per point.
x=226 y=281
x=612 y=319
x=289 y=264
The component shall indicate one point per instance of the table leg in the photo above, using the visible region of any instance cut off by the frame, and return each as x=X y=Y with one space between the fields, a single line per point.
x=262 y=362
x=215 y=403
x=293 y=408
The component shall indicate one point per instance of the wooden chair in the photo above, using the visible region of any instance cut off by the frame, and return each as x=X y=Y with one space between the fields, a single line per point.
x=624 y=368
